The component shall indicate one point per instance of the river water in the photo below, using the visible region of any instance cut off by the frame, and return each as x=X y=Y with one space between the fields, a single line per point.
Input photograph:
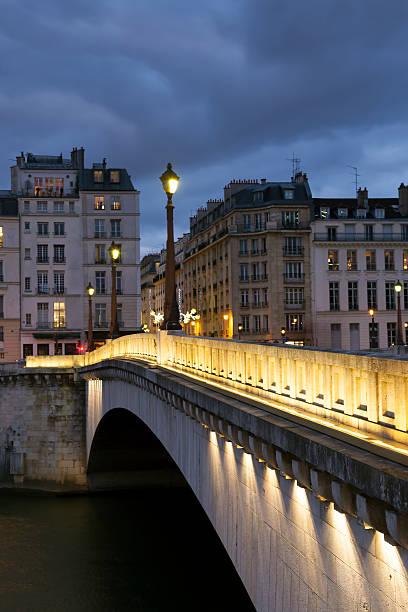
x=144 y=551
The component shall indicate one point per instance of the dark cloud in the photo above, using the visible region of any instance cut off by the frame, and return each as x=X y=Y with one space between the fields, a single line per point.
x=223 y=89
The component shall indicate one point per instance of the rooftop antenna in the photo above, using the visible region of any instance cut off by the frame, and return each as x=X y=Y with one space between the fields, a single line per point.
x=295 y=164
x=356 y=175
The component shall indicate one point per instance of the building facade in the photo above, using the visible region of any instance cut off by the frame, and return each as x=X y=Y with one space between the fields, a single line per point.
x=148 y=271
x=359 y=250
x=9 y=278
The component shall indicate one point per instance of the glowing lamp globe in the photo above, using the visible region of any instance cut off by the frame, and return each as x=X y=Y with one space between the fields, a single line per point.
x=169 y=180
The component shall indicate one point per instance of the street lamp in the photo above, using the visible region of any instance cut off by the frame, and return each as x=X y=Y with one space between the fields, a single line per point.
x=90 y=291
x=240 y=328
x=171 y=319
x=114 y=252
x=398 y=288
x=371 y=312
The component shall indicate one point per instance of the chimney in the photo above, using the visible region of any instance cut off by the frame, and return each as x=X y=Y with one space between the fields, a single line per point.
x=20 y=160
x=300 y=178
x=362 y=198
x=74 y=158
x=104 y=163
x=263 y=181
x=81 y=158
x=403 y=200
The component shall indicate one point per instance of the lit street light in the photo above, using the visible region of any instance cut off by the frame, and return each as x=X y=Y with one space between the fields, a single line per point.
x=90 y=291
x=373 y=343
x=171 y=320
x=240 y=328
x=114 y=252
x=398 y=288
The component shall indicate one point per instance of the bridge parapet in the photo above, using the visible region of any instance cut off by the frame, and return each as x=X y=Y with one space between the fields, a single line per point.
x=367 y=393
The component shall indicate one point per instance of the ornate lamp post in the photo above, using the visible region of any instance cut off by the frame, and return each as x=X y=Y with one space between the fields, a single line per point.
x=90 y=291
x=114 y=252
x=398 y=288
x=371 y=312
x=240 y=328
x=171 y=319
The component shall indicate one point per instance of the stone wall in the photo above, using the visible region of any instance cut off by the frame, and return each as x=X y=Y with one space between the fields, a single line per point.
x=42 y=428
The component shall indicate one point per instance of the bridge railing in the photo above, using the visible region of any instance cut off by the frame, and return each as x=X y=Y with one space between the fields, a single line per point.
x=365 y=392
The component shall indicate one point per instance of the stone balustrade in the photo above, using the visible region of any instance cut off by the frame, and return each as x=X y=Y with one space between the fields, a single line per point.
x=368 y=393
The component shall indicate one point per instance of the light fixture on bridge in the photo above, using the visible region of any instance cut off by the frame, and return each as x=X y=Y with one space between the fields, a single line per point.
x=398 y=289
x=226 y=317
x=114 y=252
x=90 y=291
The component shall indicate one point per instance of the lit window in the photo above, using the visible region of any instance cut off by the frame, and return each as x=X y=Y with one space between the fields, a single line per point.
x=1 y=236
x=114 y=176
x=115 y=203
x=333 y=260
x=405 y=260
x=59 y=314
x=98 y=176
x=342 y=212
x=324 y=212
x=99 y=203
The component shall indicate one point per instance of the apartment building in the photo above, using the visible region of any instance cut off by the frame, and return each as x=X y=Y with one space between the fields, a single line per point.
x=148 y=271
x=359 y=250
x=9 y=278
x=247 y=262
x=68 y=216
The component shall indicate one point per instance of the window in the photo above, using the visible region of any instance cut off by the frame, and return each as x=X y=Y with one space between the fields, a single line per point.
x=42 y=253
x=27 y=283
x=379 y=213
x=28 y=319
x=42 y=282
x=404 y=232
x=243 y=272
x=350 y=231
x=255 y=271
x=43 y=349
x=26 y=206
x=100 y=228
x=42 y=206
x=351 y=260
x=27 y=254
x=114 y=176
x=1 y=272
x=389 y=260
x=333 y=260
x=243 y=247
x=42 y=229
x=257 y=323
x=353 y=295
x=119 y=316
x=264 y=275
x=292 y=246
x=59 y=314
x=255 y=249
x=98 y=176
x=27 y=350
x=368 y=232
x=406 y=295
x=293 y=270
x=244 y=298
x=389 y=295
x=361 y=213
x=72 y=207
x=100 y=315
x=288 y=194
x=100 y=255
x=391 y=333
x=100 y=286
x=256 y=296
x=265 y=297
x=258 y=221
x=290 y=218
x=387 y=232
x=58 y=207
x=263 y=250
x=59 y=287
x=119 y=287
x=265 y=323
x=115 y=228
x=324 y=212
x=294 y=296
x=342 y=212
x=99 y=203
x=1 y=306
x=247 y=222
x=42 y=315
x=371 y=260
x=115 y=203
x=294 y=322
x=258 y=196
x=59 y=253
x=332 y=233
x=59 y=229
x=245 y=323
x=373 y=334
x=405 y=260
x=372 y=294
x=334 y=296
x=26 y=227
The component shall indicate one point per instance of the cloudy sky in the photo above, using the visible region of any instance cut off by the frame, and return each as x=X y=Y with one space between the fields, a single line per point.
x=223 y=88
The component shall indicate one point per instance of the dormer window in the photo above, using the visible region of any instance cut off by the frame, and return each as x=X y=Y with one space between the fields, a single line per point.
x=288 y=194
x=361 y=213
x=379 y=213
x=98 y=176
x=342 y=212
x=258 y=196
x=114 y=176
x=325 y=212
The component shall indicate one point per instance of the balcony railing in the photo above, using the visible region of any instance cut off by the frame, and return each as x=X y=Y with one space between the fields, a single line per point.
x=99 y=234
x=42 y=259
x=100 y=260
x=289 y=251
x=244 y=279
x=101 y=324
x=294 y=305
x=43 y=290
x=395 y=237
x=293 y=278
x=59 y=259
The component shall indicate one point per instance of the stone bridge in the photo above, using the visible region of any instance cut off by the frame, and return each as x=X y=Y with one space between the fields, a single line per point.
x=299 y=457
